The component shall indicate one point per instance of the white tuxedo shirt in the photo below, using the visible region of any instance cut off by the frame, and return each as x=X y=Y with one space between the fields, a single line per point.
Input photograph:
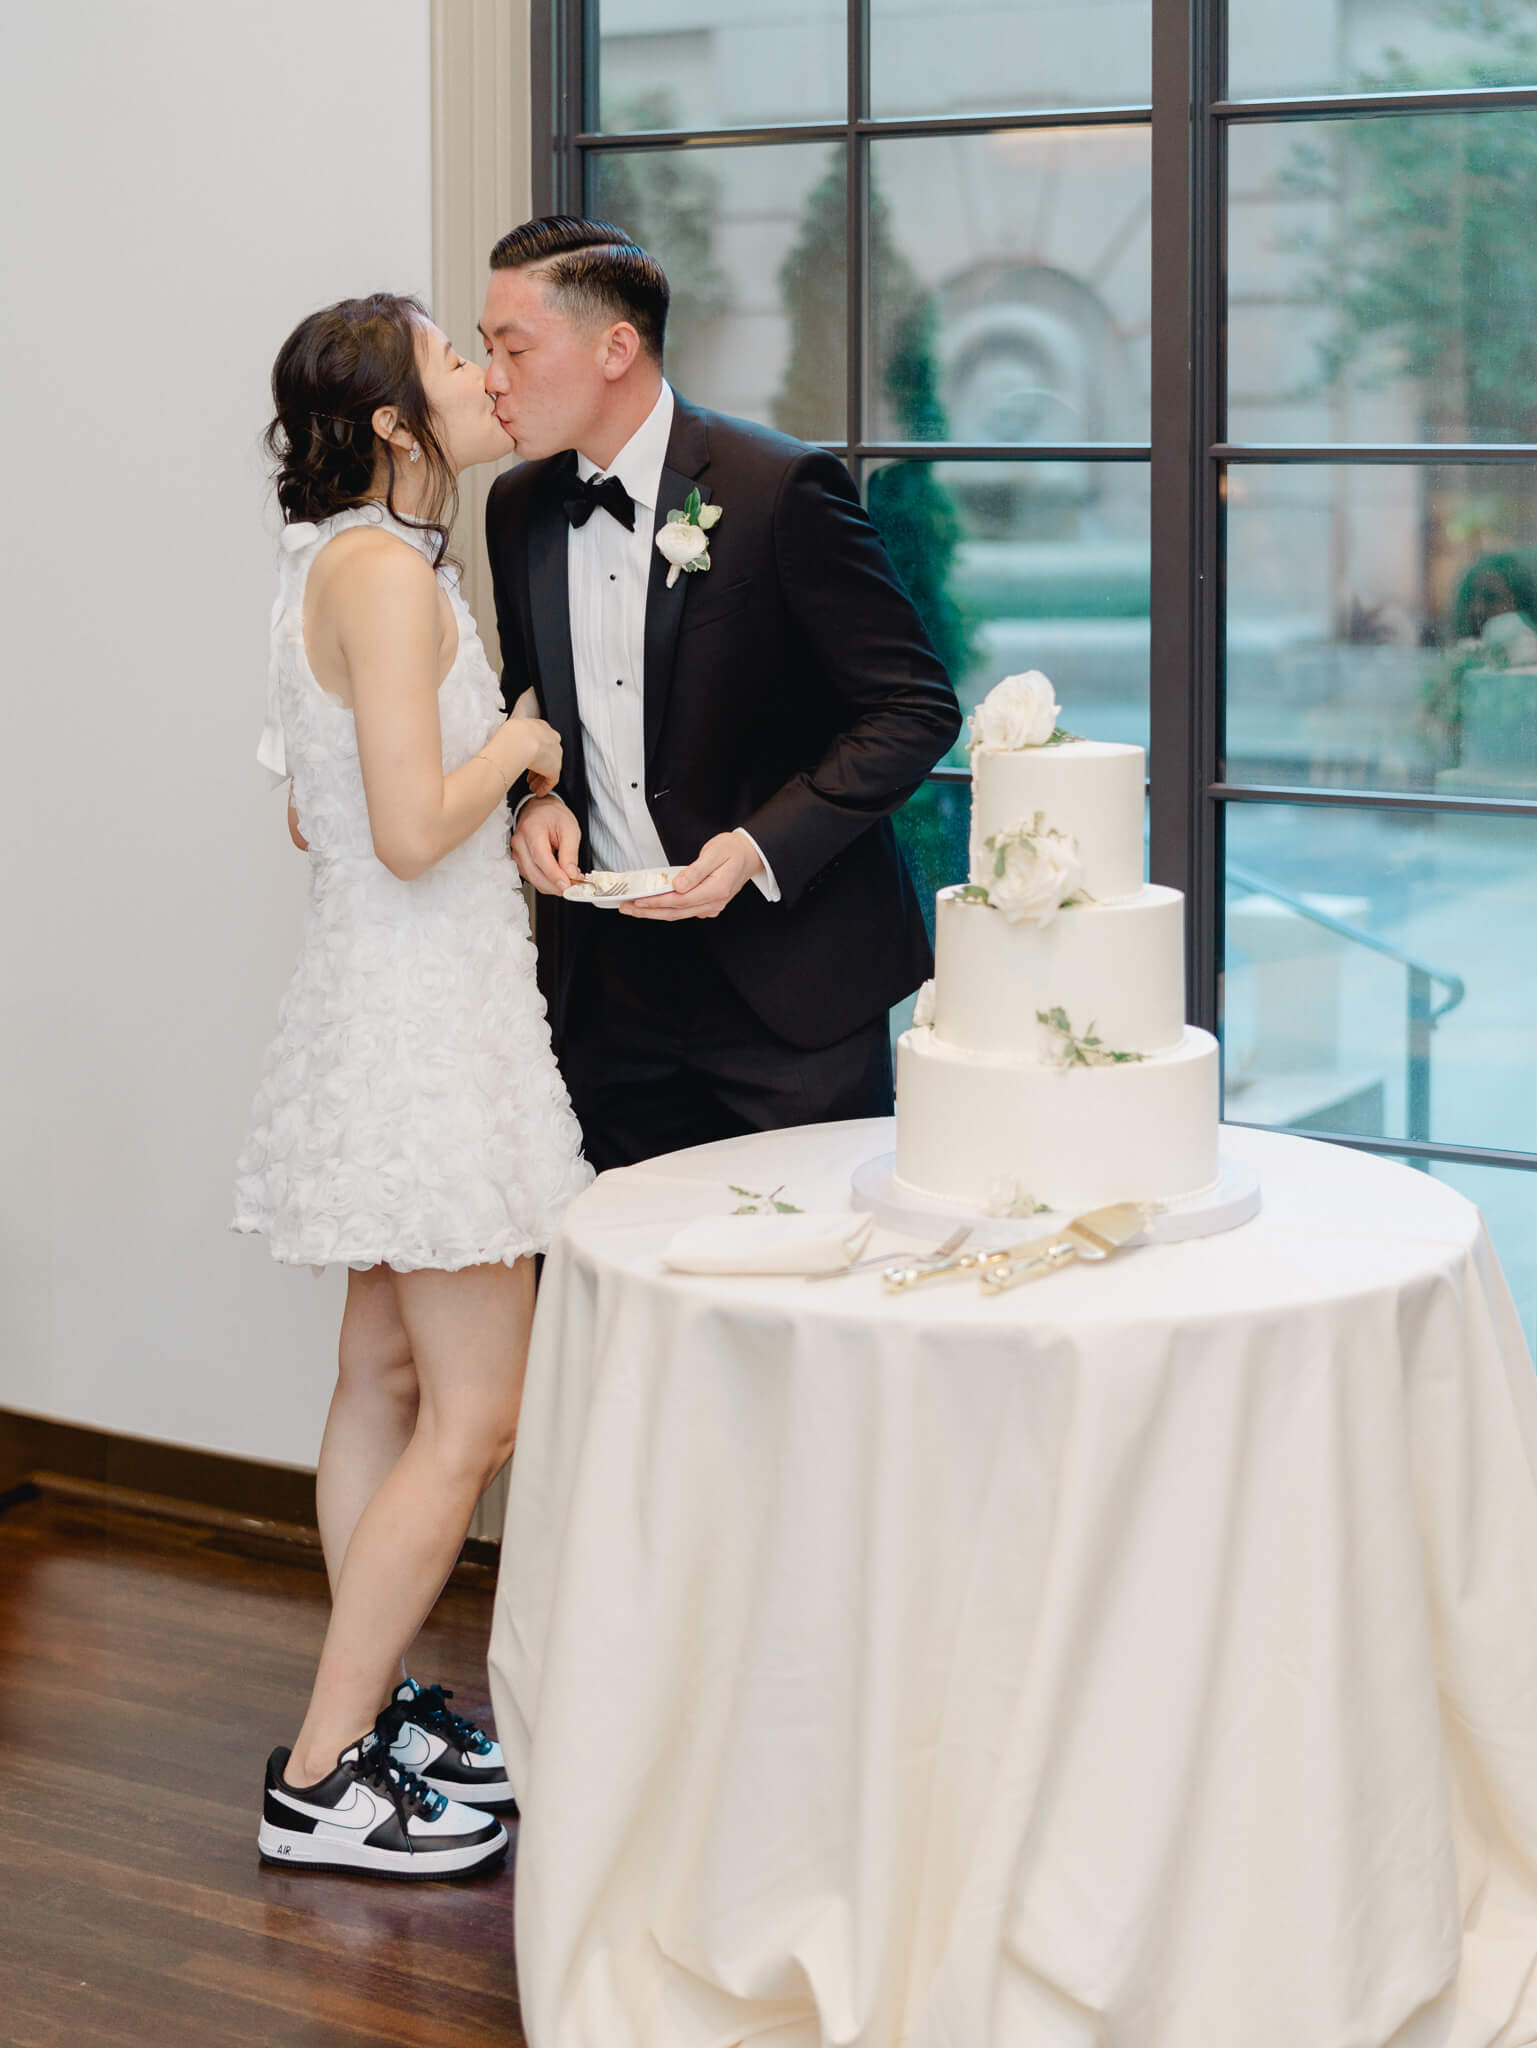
x=609 y=572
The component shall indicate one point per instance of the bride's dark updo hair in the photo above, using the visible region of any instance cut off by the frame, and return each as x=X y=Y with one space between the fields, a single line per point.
x=331 y=376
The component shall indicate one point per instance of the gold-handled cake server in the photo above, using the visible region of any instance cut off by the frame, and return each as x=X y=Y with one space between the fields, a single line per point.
x=1093 y=1237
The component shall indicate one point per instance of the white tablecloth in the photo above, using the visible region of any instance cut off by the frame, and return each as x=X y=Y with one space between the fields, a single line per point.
x=1143 y=1659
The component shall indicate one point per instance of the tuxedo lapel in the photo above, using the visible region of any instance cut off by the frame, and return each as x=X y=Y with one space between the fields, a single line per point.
x=688 y=455
x=549 y=608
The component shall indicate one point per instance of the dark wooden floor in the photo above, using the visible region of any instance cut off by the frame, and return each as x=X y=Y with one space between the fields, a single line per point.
x=146 y=1668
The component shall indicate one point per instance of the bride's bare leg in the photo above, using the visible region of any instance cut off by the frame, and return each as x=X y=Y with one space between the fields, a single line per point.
x=468 y=1334
x=372 y=1415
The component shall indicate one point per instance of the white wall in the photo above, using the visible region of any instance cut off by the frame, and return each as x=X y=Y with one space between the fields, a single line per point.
x=179 y=183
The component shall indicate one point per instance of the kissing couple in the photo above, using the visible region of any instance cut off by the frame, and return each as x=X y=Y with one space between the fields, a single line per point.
x=709 y=668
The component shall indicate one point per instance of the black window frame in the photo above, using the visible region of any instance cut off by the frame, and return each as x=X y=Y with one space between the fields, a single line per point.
x=1189 y=118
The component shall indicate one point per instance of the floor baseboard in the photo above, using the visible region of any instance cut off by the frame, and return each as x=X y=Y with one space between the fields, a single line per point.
x=255 y=1506
x=242 y=1486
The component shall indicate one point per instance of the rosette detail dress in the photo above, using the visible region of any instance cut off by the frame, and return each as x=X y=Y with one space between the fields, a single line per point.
x=410 y=1110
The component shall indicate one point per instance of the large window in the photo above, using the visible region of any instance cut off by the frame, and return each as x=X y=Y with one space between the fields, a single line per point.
x=1187 y=351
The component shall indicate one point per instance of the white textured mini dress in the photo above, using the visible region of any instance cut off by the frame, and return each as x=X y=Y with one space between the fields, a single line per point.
x=410 y=1109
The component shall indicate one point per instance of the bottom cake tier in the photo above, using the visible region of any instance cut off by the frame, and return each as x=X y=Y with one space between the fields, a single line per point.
x=976 y=1129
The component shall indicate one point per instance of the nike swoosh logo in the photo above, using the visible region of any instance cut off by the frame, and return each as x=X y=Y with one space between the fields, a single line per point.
x=358 y=1814
x=414 y=1751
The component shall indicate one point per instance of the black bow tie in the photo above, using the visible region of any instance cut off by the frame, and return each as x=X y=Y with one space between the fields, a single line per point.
x=583 y=499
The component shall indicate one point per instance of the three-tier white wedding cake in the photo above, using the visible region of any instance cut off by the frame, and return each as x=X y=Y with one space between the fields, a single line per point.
x=1050 y=1064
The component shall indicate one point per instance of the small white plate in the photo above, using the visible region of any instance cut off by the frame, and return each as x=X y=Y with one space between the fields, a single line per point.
x=609 y=890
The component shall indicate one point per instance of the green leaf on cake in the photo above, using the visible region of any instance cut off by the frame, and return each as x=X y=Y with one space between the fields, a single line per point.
x=754 y=1204
x=1082 y=1049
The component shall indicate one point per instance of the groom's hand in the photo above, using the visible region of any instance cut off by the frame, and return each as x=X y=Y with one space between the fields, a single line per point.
x=546 y=844
x=704 y=888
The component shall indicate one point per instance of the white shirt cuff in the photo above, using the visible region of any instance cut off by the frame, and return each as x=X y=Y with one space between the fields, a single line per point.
x=764 y=880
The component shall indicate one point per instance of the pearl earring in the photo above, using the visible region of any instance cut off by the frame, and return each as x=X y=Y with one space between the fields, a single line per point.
x=416 y=453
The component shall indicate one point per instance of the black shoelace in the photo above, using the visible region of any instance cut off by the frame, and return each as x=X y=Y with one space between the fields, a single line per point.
x=408 y=1792
x=431 y=1711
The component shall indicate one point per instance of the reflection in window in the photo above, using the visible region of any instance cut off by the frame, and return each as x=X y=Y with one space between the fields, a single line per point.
x=1035 y=245
x=1275 y=51
x=1382 y=627
x=978 y=56
x=1383 y=282
x=729 y=226
x=719 y=63
x=1013 y=567
x=1370 y=981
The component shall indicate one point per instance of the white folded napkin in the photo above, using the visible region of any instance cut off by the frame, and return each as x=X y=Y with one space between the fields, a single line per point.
x=800 y=1243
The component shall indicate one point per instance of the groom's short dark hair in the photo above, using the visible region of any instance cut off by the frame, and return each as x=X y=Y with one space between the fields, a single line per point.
x=595 y=269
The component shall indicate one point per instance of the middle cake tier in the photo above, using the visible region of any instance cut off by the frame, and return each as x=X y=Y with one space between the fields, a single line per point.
x=1116 y=967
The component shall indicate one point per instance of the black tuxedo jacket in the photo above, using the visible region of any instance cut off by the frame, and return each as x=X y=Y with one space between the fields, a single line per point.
x=789 y=689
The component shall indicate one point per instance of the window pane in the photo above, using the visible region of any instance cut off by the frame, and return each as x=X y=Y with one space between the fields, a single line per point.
x=1276 y=51
x=1020 y=565
x=1318 y=1024
x=753 y=242
x=1382 y=627
x=720 y=64
x=997 y=54
x=1382 y=284
x=933 y=830
x=1020 y=262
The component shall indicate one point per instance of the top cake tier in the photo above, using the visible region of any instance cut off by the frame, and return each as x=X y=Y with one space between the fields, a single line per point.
x=1090 y=789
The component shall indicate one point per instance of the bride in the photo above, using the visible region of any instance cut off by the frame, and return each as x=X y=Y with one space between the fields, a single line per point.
x=410 y=1123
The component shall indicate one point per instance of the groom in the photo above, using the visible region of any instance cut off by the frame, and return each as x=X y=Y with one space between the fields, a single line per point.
x=754 y=719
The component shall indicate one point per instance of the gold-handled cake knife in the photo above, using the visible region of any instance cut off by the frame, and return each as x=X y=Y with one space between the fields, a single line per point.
x=1092 y=1237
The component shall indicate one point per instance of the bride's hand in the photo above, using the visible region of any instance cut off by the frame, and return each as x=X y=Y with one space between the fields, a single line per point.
x=543 y=758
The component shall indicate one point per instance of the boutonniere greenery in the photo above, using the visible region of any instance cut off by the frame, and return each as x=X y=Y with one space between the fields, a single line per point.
x=684 y=539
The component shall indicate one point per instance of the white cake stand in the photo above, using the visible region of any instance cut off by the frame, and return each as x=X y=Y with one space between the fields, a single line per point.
x=1234 y=1199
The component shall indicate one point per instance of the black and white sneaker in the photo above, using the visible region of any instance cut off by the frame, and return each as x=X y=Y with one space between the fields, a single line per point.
x=450 y=1753
x=372 y=1815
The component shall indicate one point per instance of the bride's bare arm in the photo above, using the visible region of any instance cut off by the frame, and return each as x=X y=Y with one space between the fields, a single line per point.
x=381 y=612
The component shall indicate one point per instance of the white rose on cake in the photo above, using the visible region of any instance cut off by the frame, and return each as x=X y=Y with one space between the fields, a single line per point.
x=923 y=1008
x=1034 y=873
x=1021 y=711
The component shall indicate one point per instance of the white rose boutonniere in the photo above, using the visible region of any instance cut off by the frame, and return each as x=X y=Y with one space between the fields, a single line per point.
x=1021 y=711
x=684 y=538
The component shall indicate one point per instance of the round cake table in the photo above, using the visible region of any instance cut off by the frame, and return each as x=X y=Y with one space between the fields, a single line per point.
x=1145 y=1658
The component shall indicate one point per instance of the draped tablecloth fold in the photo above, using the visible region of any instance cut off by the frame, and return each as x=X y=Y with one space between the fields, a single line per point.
x=1145 y=1659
